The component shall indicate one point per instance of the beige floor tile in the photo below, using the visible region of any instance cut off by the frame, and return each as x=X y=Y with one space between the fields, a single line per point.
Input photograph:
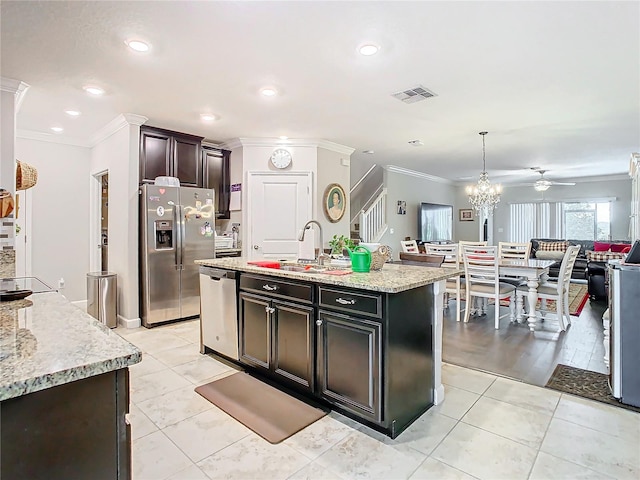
x=538 y=399
x=206 y=433
x=173 y=357
x=466 y=379
x=318 y=437
x=432 y=469
x=515 y=423
x=155 y=457
x=175 y=406
x=190 y=473
x=426 y=433
x=599 y=416
x=201 y=369
x=149 y=364
x=485 y=455
x=156 y=341
x=456 y=402
x=596 y=450
x=253 y=458
x=313 y=471
x=155 y=384
x=548 y=467
x=361 y=456
x=141 y=425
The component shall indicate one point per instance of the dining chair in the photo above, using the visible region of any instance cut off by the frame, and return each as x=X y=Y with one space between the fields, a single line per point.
x=409 y=246
x=514 y=251
x=421 y=259
x=466 y=243
x=451 y=259
x=481 y=265
x=558 y=291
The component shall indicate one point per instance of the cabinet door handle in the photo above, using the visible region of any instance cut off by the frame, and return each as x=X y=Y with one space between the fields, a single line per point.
x=342 y=301
x=271 y=309
x=318 y=322
x=269 y=288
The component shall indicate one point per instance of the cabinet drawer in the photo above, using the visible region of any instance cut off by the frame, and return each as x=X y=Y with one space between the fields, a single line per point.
x=277 y=288
x=346 y=301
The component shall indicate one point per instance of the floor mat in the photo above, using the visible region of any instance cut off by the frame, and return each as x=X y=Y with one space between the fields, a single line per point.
x=578 y=296
x=270 y=413
x=584 y=383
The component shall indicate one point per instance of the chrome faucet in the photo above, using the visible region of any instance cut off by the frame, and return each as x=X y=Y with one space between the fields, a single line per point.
x=321 y=255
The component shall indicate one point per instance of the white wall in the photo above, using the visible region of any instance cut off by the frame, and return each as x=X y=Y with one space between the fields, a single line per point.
x=330 y=170
x=583 y=190
x=60 y=213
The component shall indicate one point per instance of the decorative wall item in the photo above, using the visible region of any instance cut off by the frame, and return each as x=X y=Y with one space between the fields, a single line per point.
x=235 y=200
x=466 y=215
x=402 y=207
x=334 y=202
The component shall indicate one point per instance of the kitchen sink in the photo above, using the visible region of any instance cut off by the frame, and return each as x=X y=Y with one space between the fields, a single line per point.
x=309 y=268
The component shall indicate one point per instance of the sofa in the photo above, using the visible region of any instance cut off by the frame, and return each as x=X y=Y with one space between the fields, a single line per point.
x=580 y=270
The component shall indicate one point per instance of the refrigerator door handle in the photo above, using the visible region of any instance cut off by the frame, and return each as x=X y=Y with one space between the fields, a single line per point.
x=183 y=235
x=178 y=239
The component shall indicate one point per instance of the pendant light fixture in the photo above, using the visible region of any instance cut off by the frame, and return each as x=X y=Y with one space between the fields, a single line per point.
x=483 y=196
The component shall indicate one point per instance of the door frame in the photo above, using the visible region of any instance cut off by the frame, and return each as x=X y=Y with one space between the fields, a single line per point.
x=252 y=177
x=95 y=214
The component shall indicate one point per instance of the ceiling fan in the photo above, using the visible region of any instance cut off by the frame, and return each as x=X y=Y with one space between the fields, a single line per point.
x=543 y=184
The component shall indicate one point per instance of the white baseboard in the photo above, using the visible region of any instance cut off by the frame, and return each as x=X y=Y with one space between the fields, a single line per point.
x=128 y=322
x=81 y=304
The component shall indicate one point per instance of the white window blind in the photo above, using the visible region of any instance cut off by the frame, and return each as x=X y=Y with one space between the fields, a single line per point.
x=529 y=220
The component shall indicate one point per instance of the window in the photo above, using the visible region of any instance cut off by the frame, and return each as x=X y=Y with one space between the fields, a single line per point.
x=586 y=221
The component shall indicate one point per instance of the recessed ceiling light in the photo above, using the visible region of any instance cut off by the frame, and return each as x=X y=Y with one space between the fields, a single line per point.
x=207 y=117
x=269 y=92
x=57 y=129
x=283 y=137
x=138 y=45
x=93 y=90
x=368 y=152
x=416 y=143
x=369 y=49
x=72 y=113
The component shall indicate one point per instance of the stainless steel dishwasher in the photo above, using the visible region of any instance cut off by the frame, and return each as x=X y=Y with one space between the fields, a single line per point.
x=218 y=311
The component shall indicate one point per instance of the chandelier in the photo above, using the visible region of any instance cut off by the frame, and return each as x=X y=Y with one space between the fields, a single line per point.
x=483 y=196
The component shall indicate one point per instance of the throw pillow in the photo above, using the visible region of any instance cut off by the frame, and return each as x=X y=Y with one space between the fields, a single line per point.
x=603 y=256
x=618 y=247
x=549 y=255
x=601 y=246
x=553 y=246
x=626 y=249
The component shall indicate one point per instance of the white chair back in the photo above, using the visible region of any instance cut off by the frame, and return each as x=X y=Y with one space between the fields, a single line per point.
x=514 y=251
x=409 y=246
x=463 y=243
x=480 y=265
x=566 y=267
x=448 y=250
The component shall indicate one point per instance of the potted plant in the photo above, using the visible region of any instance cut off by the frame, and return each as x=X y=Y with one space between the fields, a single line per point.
x=338 y=244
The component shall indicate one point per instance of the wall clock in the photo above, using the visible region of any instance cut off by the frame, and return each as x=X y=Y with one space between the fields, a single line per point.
x=280 y=158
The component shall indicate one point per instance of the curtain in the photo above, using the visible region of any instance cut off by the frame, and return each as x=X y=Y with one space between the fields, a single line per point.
x=531 y=220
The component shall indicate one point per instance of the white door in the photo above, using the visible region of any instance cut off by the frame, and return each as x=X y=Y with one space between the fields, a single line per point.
x=279 y=204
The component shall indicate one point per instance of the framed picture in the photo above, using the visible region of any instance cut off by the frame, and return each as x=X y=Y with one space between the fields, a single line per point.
x=402 y=207
x=466 y=215
x=334 y=202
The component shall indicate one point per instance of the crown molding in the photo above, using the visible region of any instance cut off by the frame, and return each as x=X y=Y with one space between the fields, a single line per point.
x=52 y=138
x=413 y=173
x=290 y=142
x=18 y=88
x=122 y=120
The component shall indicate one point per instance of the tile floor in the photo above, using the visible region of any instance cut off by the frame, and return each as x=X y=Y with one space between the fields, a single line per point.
x=488 y=427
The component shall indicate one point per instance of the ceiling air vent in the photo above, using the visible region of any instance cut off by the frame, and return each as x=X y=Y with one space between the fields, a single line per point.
x=414 y=94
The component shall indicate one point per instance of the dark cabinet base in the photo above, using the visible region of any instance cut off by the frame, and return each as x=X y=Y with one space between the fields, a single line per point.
x=71 y=431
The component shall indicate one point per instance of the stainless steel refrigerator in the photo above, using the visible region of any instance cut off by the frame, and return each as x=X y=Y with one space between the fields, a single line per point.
x=177 y=227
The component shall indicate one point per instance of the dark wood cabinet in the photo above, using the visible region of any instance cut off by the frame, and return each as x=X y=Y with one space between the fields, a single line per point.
x=349 y=363
x=173 y=154
x=278 y=336
x=217 y=175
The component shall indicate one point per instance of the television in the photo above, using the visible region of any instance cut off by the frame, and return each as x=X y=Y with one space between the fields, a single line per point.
x=435 y=222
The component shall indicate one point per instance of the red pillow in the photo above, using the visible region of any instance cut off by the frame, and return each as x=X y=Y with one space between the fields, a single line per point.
x=626 y=249
x=601 y=246
x=618 y=247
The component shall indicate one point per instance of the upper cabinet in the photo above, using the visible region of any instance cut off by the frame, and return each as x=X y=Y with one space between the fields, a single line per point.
x=173 y=154
x=215 y=163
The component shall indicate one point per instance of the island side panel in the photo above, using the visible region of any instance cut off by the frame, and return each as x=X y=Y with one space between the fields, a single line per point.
x=438 y=319
x=409 y=363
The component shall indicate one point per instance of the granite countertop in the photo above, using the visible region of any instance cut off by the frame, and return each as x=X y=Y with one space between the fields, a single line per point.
x=392 y=278
x=45 y=341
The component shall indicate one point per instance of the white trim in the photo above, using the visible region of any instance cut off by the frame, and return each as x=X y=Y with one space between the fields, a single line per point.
x=128 y=322
x=362 y=178
x=18 y=88
x=52 y=138
x=291 y=142
x=413 y=173
x=95 y=232
x=122 y=120
x=569 y=200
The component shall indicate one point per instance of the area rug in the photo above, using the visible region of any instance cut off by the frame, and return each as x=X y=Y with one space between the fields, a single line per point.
x=578 y=296
x=270 y=413
x=584 y=383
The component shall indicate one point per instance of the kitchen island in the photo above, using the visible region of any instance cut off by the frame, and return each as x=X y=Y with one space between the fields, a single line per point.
x=64 y=392
x=366 y=344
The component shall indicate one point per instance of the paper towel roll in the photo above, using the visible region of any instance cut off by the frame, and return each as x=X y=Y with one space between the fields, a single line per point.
x=307 y=247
